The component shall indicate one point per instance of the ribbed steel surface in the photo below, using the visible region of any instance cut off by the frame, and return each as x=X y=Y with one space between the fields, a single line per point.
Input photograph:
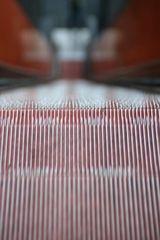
x=79 y=164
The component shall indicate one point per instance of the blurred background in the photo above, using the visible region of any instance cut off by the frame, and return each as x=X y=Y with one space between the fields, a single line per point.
x=49 y=14
x=101 y=40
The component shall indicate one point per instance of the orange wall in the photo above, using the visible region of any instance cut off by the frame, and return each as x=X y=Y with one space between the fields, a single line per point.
x=136 y=40
x=21 y=46
x=139 y=26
